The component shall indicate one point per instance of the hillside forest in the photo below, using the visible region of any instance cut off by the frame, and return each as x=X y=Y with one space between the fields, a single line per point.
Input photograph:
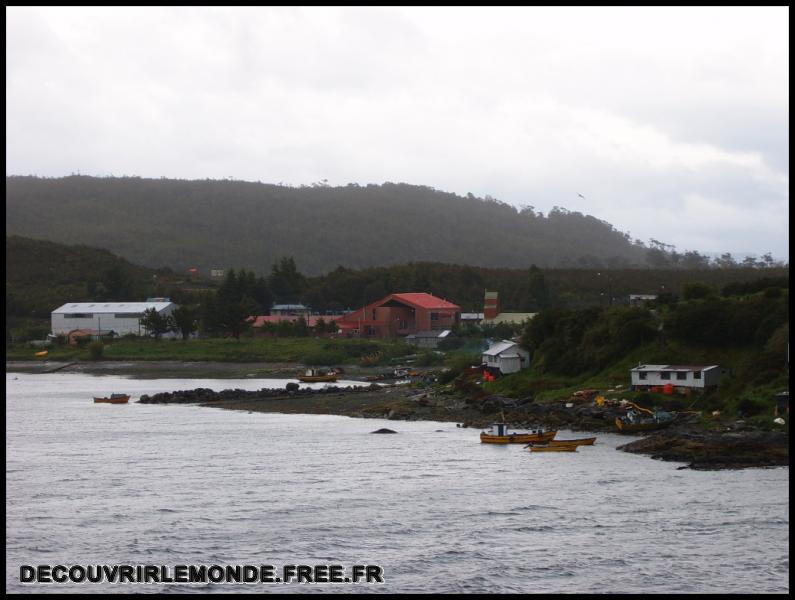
x=190 y=224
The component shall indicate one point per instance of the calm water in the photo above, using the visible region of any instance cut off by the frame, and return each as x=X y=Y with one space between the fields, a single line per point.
x=437 y=510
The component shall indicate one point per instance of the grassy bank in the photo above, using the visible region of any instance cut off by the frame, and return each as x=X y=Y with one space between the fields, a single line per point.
x=312 y=351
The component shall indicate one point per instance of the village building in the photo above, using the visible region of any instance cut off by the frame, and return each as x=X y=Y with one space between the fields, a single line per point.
x=399 y=315
x=471 y=317
x=290 y=310
x=677 y=377
x=507 y=357
x=428 y=339
x=641 y=299
x=259 y=323
x=102 y=318
x=493 y=315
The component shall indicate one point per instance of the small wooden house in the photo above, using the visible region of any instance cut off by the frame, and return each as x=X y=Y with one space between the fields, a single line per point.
x=507 y=356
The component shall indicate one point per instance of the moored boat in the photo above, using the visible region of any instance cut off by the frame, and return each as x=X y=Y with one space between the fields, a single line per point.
x=634 y=421
x=113 y=399
x=576 y=442
x=499 y=434
x=549 y=448
x=317 y=375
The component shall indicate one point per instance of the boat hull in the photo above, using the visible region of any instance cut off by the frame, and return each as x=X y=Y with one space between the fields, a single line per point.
x=119 y=400
x=624 y=427
x=316 y=378
x=518 y=438
x=553 y=448
x=577 y=442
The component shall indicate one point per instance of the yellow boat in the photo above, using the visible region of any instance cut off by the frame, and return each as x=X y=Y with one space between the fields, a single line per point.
x=577 y=442
x=553 y=448
x=42 y=353
x=499 y=434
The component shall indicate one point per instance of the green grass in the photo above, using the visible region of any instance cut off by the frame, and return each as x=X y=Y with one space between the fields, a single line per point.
x=317 y=351
x=759 y=395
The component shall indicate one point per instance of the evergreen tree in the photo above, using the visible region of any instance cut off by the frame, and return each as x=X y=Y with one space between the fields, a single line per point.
x=155 y=323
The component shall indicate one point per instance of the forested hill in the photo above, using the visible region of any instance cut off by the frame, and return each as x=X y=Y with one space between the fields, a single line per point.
x=219 y=223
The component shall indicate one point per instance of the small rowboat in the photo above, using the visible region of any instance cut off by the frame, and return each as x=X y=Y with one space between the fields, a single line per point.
x=43 y=353
x=499 y=434
x=114 y=399
x=625 y=426
x=577 y=442
x=315 y=376
x=553 y=448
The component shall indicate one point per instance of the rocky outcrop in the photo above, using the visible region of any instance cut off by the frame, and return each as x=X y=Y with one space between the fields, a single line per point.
x=202 y=395
x=710 y=451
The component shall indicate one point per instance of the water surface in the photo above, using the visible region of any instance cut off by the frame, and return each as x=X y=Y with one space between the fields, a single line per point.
x=437 y=510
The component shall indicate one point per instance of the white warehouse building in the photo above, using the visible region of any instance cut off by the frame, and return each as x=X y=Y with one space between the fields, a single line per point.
x=103 y=317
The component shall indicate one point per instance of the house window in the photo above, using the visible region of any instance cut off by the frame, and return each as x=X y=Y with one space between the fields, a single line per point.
x=434 y=316
x=681 y=376
x=78 y=316
x=642 y=375
x=128 y=315
x=665 y=375
x=404 y=324
x=696 y=374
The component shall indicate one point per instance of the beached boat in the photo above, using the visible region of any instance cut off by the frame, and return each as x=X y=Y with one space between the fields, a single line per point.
x=535 y=448
x=499 y=434
x=114 y=399
x=316 y=375
x=576 y=442
x=634 y=421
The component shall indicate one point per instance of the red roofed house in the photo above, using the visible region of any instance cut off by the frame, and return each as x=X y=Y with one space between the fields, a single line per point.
x=400 y=315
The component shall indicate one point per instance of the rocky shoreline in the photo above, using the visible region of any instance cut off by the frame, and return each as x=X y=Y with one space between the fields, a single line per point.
x=685 y=441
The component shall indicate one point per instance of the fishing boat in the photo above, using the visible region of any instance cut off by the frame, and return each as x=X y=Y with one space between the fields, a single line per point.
x=576 y=442
x=536 y=448
x=634 y=421
x=317 y=375
x=498 y=434
x=114 y=399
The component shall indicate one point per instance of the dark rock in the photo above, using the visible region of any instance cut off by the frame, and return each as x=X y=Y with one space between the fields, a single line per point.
x=383 y=430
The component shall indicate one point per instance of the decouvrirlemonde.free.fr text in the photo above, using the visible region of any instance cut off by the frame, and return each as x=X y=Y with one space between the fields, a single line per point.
x=133 y=574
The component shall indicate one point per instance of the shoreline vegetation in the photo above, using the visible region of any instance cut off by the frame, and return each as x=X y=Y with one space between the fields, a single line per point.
x=703 y=446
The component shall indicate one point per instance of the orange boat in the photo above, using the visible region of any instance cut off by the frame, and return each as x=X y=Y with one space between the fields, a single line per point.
x=577 y=442
x=534 y=448
x=114 y=399
x=499 y=434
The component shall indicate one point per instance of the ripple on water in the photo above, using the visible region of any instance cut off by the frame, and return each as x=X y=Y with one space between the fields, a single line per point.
x=438 y=511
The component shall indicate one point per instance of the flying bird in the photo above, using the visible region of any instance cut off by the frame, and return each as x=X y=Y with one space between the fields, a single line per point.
x=581 y=196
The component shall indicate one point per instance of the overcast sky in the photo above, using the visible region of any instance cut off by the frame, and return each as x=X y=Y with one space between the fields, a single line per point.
x=672 y=123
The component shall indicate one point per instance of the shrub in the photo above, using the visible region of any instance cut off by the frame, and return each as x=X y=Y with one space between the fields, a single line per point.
x=96 y=349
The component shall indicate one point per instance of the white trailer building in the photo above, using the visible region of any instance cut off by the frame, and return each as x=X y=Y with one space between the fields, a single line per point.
x=694 y=377
x=507 y=356
x=103 y=317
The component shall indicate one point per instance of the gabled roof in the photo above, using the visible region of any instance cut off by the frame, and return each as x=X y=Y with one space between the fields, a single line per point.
x=420 y=300
x=500 y=347
x=311 y=321
x=111 y=307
